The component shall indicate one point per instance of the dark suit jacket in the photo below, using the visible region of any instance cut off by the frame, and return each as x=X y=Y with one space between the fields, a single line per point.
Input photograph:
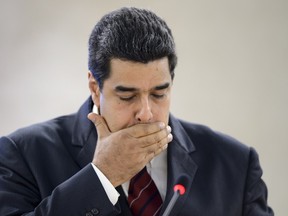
x=45 y=170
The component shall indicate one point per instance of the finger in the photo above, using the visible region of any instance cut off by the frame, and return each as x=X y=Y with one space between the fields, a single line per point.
x=100 y=124
x=154 y=138
x=140 y=130
x=157 y=148
x=163 y=145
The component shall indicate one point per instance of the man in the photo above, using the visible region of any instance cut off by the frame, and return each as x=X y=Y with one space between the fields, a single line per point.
x=74 y=165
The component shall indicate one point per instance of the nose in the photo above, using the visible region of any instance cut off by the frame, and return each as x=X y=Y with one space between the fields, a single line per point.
x=144 y=111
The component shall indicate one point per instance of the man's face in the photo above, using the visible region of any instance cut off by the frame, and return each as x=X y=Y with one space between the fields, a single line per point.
x=134 y=93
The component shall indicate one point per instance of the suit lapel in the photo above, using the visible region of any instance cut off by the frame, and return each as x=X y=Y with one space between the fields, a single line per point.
x=179 y=163
x=125 y=210
x=85 y=155
x=84 y=136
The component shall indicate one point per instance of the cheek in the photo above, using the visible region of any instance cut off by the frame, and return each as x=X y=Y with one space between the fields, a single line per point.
x=161 y=111
x=117 y=117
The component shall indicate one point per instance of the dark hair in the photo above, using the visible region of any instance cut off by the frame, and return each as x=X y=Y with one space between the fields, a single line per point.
x=129 y=34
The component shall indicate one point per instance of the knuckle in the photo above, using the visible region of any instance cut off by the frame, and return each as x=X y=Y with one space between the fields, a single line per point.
x=98 y=123
x=123 y=135
x=138 y=130
x=156 y=138
x=145 y=129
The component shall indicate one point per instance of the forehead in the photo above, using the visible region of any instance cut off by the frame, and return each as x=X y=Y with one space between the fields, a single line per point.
x=136 y=74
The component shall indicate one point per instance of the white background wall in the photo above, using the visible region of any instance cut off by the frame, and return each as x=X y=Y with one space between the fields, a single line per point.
x=232 y=73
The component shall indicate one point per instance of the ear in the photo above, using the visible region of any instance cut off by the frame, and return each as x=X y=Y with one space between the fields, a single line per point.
x=94 y=89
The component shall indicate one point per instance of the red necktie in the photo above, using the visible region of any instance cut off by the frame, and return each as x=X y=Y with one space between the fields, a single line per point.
x=143 y=196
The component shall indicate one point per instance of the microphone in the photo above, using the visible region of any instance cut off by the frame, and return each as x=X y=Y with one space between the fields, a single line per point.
x=179 y=190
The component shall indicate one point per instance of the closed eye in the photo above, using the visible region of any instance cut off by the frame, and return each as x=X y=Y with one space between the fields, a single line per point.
x=127 y=98
x=158 y=96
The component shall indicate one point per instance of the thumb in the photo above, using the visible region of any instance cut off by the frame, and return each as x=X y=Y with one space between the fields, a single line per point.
x=100 y=124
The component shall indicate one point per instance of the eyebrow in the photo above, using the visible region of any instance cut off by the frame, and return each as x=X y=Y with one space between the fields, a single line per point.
x=161 y=87
x=121 y=88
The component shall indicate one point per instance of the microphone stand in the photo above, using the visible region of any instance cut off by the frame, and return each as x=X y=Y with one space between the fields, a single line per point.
x=171 y=203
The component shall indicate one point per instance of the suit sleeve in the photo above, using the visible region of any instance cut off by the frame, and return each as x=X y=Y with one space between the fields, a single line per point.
x=255 y=198
x=81 y=194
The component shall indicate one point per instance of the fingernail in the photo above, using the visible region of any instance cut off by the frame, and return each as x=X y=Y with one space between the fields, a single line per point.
x=170 y=137
x=168 y=129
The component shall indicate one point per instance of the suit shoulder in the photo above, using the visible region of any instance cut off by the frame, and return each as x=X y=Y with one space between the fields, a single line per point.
x=43 y=132
x=205 y=137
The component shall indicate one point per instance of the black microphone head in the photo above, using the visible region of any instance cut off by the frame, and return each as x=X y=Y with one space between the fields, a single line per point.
x=182 y=183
